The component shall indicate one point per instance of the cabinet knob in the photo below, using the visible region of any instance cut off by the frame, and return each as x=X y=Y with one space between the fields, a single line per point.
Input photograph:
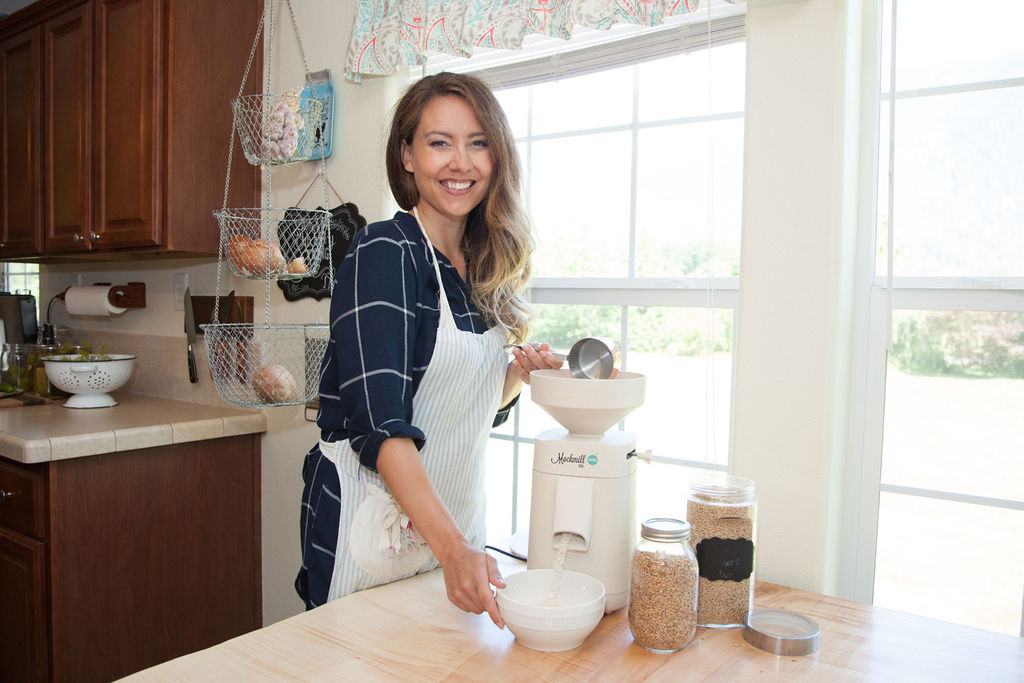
x=77 y=239
x=93 y=237
x=4 y=495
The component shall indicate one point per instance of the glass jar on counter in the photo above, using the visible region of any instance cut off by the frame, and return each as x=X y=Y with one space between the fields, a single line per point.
x=40 y=383
x=663 y=586
x=722 y=511
x=25 y=371
x=16 y=375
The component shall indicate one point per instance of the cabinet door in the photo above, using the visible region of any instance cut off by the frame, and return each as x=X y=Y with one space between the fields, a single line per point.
x=67 y=60
x=20 y=101
x=22 y=616
x=128 y=109
x=155 y=553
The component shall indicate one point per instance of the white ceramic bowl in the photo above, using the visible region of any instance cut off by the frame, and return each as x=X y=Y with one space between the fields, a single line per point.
x=89 y=379
x=580 y=606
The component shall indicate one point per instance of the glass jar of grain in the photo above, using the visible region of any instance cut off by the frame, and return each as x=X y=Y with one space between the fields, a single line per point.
x=663 y=586
x=722 y=511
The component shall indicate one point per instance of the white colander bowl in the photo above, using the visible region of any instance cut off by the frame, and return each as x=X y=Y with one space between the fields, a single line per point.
x=89 y=378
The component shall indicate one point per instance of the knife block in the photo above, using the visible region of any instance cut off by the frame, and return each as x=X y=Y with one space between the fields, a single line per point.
x=241 y=310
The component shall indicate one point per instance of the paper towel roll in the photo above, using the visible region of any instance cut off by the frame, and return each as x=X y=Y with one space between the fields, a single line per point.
x=90 y=300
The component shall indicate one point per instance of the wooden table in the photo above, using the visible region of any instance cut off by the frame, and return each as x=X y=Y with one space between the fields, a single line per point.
x=407 y=631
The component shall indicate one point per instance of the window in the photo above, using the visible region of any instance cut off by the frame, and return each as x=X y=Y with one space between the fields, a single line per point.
x=20 y=278
x=633 y=167
x=950 y=500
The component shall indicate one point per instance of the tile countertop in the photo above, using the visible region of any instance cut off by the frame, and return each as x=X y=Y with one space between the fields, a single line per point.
x=34 y=434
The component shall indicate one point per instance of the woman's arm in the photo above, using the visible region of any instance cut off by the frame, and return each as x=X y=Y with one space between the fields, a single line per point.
x=367 y=380
x=468 y=572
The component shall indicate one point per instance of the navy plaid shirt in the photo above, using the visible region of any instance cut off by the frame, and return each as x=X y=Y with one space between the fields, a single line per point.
x=384 y=315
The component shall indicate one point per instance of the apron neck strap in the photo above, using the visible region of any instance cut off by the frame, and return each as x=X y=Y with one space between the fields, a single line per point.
x=447 y=319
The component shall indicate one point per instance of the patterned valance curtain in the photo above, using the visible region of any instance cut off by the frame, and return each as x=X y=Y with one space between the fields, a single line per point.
x=388 y=33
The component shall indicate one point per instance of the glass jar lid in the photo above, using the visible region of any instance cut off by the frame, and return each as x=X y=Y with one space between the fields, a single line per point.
x=665 y=529
x=722 y=488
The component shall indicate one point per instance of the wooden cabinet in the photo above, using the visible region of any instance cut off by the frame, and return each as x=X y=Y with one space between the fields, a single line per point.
x=127 y=97
x=20 y=140
x=133 y=112
x=23 y=652
x=102 y=127
x=23 y=617
x=112 y=563
x=67 y=43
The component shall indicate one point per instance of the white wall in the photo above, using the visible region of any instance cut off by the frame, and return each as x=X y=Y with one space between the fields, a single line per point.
x=792 y=350
x=791 y=397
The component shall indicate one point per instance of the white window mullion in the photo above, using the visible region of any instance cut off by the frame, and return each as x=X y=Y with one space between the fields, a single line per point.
x=957 y=294
x=684 y=292
x=934 y=494
x=634 y=171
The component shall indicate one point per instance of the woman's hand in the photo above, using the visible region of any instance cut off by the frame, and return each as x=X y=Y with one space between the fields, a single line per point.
x=532 y=356
x=468 y=576
x=468 y=572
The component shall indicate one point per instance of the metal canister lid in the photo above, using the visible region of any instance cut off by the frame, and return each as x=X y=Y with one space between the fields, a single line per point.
x=665 y=529
x=781 y=632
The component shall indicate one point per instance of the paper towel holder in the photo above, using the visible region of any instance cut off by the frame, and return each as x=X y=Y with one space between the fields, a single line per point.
x=131 y=295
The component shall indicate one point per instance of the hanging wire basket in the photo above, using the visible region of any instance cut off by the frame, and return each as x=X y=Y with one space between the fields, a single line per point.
x=263 y=364
x=276 y=129
x=273 y=243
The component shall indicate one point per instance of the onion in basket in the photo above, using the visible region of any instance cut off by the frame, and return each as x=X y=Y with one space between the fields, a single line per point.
x=238 y=251
x=274 y=384
x=255 y=257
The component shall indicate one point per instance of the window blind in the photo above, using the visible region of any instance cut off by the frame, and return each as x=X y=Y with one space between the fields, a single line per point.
x=543 y=59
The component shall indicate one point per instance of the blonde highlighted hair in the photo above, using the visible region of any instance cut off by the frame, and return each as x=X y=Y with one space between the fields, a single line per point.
x=498 y=234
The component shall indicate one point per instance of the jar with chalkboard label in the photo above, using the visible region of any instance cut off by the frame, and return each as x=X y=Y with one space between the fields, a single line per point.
x=722 y=512
x=663 y=586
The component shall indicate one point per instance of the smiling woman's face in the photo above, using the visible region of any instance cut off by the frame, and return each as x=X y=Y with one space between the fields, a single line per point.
x=450 y=160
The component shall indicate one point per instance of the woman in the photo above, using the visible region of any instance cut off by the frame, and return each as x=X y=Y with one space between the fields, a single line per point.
x=415 y=372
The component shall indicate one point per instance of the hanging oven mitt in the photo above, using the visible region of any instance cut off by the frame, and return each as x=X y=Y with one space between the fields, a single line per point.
x=382 y=541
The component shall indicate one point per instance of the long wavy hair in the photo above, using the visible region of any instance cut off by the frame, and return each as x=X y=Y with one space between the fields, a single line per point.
x=498 y=233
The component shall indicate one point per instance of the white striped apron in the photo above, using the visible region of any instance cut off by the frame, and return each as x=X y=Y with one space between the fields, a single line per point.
x=454 y=405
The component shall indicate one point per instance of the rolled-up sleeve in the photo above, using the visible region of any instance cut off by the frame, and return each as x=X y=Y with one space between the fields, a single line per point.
x=373 y=332
x=501 y=417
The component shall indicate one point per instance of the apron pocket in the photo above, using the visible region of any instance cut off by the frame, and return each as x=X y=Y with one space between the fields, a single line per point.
x=381 y=540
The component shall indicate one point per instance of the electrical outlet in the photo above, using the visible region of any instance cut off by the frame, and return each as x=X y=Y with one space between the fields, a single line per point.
x=180 y=285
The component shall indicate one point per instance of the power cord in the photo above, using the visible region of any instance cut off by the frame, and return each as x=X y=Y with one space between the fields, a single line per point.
x=49 y=334
x=514 y=556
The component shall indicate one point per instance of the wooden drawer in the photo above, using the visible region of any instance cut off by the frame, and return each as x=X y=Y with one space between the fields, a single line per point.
x=22 y=498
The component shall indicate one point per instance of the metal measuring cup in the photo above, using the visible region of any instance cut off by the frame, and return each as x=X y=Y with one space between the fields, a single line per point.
x=594 y=358
x=589 y=358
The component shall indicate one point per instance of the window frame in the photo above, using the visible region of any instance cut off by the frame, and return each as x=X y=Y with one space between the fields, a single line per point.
x=864 y=485
x=26 y=271
x=720 y=25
